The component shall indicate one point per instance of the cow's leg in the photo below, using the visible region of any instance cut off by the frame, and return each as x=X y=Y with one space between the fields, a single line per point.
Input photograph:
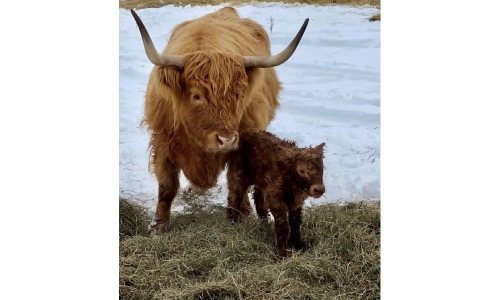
x=238 y=204
x=168 y=185
x=279 y=211
x=260 y=204
x=295 y=219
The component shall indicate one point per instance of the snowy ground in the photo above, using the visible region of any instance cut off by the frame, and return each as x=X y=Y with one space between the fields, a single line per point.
x=331 y=93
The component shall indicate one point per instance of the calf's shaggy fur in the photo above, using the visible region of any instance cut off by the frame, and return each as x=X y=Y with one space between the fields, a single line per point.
x=283 y=176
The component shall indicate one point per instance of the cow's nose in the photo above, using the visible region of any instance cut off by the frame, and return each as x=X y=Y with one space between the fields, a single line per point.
x=226 y=140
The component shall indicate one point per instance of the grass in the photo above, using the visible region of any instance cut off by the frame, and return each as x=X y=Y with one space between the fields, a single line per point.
x=138 y=4
x=206 y=257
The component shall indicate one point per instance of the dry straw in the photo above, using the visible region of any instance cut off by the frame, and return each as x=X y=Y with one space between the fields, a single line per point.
x=204 y=256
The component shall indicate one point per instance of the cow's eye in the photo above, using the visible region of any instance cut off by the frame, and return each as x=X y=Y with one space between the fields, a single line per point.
x=196 y=97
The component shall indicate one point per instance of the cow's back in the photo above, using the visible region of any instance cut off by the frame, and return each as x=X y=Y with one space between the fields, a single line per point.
x=222 y=31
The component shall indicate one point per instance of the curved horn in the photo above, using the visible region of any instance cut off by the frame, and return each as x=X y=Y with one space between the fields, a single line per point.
x=278 y=59
x=153 y=55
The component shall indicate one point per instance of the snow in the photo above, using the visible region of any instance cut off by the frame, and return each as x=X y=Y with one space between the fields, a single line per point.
x=331 y=93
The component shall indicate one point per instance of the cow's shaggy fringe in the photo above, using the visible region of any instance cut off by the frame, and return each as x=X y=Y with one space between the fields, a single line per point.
x=206 y=257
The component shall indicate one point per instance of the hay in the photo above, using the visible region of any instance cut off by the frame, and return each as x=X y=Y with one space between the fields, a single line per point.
x=134 y=219
x=206 y=257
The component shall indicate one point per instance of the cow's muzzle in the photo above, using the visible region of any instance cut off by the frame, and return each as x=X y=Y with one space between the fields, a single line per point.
x=222 y=141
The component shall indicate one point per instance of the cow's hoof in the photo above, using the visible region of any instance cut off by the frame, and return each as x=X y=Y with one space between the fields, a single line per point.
x=233 y=215
x=263 y=218
x=157 y=227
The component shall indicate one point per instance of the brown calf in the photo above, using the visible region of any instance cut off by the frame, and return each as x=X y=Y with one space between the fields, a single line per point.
x=283 y=176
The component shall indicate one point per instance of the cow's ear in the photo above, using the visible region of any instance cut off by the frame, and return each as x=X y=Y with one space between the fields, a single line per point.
x=167 y=81
x=171 y=77
x=251 y=72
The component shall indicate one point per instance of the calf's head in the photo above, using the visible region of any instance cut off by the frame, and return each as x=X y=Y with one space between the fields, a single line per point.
x=309 y=170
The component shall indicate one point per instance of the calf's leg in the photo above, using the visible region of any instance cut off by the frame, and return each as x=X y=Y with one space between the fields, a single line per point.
x=260 y=204
x=295 y=219
x=279 y=212
x=238 y=204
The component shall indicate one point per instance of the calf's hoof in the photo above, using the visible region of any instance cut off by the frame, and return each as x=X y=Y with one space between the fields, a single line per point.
x=283 y=252
x=233 y=215
x=297 y=244
x=157 y=227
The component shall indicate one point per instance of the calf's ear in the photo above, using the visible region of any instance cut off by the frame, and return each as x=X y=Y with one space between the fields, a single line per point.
x=320 y=147
x=301 y=170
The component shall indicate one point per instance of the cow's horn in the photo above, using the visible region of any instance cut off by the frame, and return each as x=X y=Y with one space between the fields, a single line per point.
x=153 y=55
x=278 y=59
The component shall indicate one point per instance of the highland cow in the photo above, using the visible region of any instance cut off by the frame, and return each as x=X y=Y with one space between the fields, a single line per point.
x=214 y=79
x=283 y=176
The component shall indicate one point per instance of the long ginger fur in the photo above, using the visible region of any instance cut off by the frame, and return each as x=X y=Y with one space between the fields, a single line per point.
x=213 y=47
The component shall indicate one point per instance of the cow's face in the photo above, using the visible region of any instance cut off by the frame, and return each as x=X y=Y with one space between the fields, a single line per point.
x=309 y=168
x=212 y=101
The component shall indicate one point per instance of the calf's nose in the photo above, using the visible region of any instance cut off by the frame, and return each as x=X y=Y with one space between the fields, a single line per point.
x=318 y=190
